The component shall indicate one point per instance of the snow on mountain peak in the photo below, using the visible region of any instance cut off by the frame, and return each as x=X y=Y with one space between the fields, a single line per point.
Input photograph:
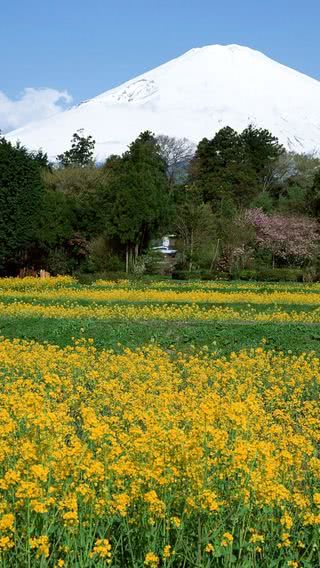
x=192 y=96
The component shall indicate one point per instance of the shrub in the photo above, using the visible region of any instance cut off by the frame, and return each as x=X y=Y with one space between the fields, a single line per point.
x=90 y=278
x=101 y=257
x=273 y=275
x=186 y=275
x=58 y=262
x=214 y=275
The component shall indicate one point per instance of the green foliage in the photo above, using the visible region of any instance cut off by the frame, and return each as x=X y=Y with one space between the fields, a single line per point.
x=81 y=188
x=263 y=201
x=154 y=262
x=102 y=258
x=293 y=180
x=74 y=181
x=304 y=168
x=233 y=165
x=186 y=274
x=262 y=150
x=57 y=262
x=56 y=223
x=196 y=227
x=273 y=275
x=221 y=338
x=21 y=205
x=42 y=160
x=83 y=217
x=313 y=196
x=219 y=169
x=293 y=200
x=135 y=198
x=138 y=269
x=81 y=153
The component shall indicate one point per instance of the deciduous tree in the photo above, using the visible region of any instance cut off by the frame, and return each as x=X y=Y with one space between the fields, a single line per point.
x=81 y=153
x=290 y=239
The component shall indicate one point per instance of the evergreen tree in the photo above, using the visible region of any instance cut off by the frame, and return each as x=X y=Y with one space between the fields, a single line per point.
x=21 y=201
x=262 y=150
x=136 y=201
x=81 y=153
x=313 y=196
x=57 y=220
x=219 y=169
x=232 y=166
x=82 y=188
x=42 y=159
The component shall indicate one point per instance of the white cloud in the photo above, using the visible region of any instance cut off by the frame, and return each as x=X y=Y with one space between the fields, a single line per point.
x=33 y=104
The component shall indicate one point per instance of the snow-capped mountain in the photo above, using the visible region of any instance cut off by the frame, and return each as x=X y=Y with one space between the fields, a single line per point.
x=192 y=96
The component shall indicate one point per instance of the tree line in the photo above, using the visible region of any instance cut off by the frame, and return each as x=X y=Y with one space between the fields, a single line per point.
x=237 y=201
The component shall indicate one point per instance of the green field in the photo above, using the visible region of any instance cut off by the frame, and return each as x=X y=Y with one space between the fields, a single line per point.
x=219 y=336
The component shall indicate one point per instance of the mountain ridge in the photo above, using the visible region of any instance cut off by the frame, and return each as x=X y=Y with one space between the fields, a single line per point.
x=192 y=96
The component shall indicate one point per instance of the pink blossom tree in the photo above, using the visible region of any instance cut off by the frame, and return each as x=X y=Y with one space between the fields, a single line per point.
x=290 y=239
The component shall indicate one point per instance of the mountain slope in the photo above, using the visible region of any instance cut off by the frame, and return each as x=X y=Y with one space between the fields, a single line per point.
x=192 y=96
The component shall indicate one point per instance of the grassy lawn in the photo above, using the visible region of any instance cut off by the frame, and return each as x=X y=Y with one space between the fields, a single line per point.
x=218 y=337
x=221 y=337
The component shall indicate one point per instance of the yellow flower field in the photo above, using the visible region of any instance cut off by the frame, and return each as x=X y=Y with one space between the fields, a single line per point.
x=150 y=456
x=35 y=283
x=102 y=453
x=61 y=297
x=121 y=293
x=164 y=312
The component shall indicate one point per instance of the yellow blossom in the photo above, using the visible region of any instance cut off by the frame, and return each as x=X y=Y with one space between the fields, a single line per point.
x=227 y=539
x=167 y=551
x=175 y=521
x=70 y=518
x=316 y=499
x=7 y=523
x=102 y=549
x=286 y=521
x=41 y=544
x=151 y=560
x=6 y=543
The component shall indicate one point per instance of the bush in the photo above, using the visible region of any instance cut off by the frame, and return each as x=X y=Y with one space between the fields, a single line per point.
x=138 y=269
x=90 y=278
x=214 y=275
x=58 y=262
x=101 y=257
x=155 y=262
x=273 y=275
x=186 y=275
x=199 y=275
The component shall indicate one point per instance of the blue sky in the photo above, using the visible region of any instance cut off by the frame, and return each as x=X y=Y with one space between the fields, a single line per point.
x=84 y=47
